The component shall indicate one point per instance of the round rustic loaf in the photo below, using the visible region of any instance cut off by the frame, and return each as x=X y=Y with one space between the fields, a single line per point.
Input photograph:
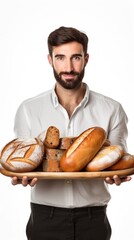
x=22 y=155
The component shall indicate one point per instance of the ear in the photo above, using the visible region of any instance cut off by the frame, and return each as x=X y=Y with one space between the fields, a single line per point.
x=49 y=59
x=86 y=58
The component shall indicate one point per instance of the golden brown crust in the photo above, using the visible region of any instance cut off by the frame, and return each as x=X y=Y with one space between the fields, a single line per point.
x=126 y=161
x=83 y=149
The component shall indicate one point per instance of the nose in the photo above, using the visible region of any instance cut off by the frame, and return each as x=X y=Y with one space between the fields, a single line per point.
x=69 y=66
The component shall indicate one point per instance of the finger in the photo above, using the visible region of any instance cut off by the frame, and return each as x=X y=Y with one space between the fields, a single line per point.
x=109 y=180
x=117 y=180
x=33 y=182
x=15 y=181
x=125 y=179
x=25 y=181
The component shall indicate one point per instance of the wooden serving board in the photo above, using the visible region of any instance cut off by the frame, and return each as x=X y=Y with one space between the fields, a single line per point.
x=69 y=175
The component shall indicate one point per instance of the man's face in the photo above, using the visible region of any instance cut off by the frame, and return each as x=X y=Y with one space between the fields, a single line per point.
x=68 y=62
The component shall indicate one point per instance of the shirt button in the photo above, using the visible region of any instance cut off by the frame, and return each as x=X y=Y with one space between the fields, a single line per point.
x=68 y=181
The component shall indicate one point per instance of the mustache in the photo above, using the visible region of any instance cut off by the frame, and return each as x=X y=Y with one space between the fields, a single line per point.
x=69 y=73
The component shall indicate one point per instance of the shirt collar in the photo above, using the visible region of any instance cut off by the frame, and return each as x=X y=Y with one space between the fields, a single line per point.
x=86 y=97
x=83 y=102
x=54 y=97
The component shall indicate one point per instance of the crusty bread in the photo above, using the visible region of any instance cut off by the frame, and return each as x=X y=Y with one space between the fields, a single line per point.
x=126 y=161
x=66 y=142
x=52 y=138
x=51 y=161
x=83 y=149
x=22 y=155
x=54 y=153
x=42 y=136
x=106 y=157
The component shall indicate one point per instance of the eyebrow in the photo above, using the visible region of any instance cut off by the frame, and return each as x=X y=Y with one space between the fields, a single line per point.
x=59 y=55
x=74 y=55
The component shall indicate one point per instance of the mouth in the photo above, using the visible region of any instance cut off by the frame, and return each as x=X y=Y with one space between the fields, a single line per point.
x=68 y=76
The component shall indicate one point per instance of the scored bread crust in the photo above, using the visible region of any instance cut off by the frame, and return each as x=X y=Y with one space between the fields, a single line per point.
x=106 y=157
x=83 y=149
x=22 y=155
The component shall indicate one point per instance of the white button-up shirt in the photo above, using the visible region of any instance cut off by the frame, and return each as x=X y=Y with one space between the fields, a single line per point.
x=36 y=114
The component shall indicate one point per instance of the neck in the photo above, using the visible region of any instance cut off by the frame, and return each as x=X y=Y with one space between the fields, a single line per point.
x=70 y=98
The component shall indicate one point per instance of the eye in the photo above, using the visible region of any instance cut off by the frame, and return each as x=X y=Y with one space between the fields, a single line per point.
x=59 y=57
x=76 y=58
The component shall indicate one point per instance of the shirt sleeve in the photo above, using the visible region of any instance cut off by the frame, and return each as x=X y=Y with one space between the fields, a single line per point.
x=22 y=126
x=118 y=128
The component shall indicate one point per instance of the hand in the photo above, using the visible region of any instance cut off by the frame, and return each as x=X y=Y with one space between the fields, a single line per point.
x=24 y=181
x=117 y=180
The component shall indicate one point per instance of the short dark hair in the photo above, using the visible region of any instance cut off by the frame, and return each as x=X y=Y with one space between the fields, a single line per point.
x=65 y=35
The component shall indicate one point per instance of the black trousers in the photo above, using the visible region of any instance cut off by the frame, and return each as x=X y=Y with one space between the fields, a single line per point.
x=52 y=223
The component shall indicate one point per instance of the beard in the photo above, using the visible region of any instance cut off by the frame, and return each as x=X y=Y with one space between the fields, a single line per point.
x=69 y=83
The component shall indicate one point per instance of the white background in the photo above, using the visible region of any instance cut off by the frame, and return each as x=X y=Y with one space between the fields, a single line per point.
x=25 y=72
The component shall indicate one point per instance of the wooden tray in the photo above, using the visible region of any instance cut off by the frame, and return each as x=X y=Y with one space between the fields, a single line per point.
x=69 y=175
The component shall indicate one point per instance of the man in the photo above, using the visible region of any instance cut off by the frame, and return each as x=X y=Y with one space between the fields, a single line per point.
x=72 y=209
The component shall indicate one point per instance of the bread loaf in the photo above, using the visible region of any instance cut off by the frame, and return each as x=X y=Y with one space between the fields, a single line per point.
x=22 y=155
x=126 y=161
x=52 y=138
x=54 y=153
x=106 y=157
x=51 y=162
x=83 y=149
x=66 y=142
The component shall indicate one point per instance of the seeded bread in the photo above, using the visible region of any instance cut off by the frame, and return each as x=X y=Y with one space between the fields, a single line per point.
x=52 y=137
x=51 y=162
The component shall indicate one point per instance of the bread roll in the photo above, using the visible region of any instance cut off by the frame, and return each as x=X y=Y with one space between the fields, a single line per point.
x=106 y=157
x=126 y=161
x=83 y=149
x=22 y=155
